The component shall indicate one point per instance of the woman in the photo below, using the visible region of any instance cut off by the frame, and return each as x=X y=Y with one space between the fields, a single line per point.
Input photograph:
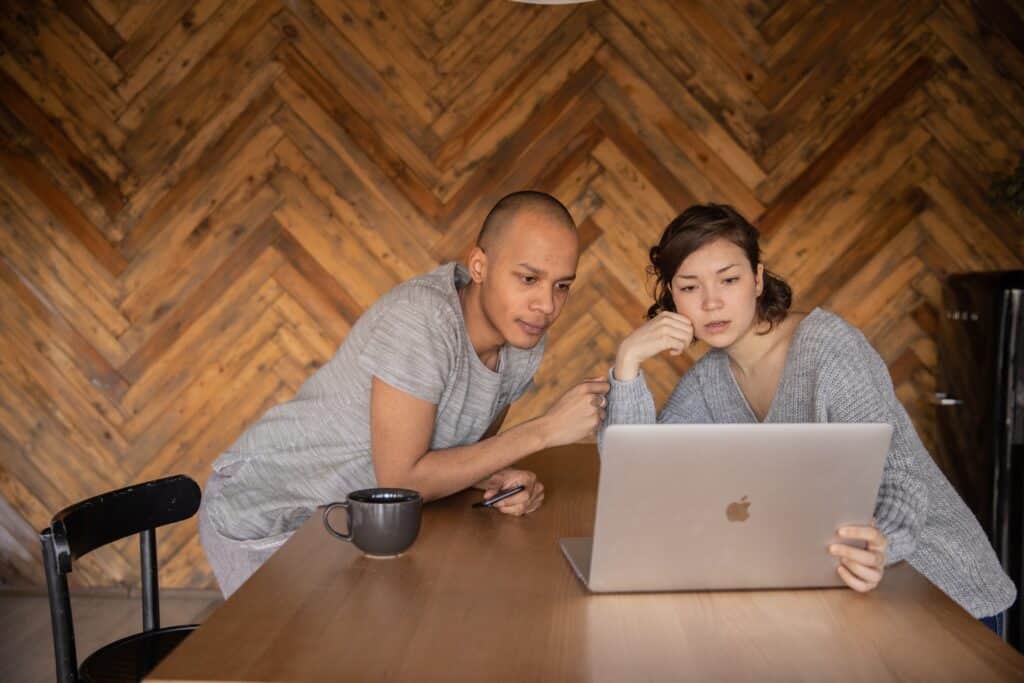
x=768 y=364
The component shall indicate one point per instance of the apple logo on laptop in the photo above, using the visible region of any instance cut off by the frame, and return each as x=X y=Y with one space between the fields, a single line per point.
x=737 y=512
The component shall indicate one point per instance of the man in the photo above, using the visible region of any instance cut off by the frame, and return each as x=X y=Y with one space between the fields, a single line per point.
x=414 y=396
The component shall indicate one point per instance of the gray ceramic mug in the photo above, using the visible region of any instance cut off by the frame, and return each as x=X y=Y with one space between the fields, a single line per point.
x=381 y=522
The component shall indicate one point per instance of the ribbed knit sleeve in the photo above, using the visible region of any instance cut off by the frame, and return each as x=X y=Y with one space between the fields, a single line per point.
x=632 y=403
x=859 y=389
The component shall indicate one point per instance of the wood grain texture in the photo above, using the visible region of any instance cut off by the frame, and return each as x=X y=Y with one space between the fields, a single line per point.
x=478 y=588
x=198 y=199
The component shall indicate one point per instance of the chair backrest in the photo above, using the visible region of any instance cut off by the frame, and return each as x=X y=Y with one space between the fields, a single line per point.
x=103 y=519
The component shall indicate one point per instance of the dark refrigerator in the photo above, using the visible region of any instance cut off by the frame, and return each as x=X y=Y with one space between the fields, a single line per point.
x=980 y=410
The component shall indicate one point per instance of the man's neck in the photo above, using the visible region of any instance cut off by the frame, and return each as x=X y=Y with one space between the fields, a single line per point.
x=484 y=337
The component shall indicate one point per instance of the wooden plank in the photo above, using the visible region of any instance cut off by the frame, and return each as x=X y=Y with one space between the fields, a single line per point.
x=202 y=147
x=497 y=28
x=219 y=169
x=206 y=247
x=783 y=18
x=314 y=227
x=891 y=97
x=494 y=132
x=81 y=42
x=974 y=197
x=398 y=157
x=990 y=57
x=145 y=26
x=93 y=24
x=52 y=333
x=360 y=182
x=36 y=121
x=403 y=263
x=96 y=143
x=714 y=84
x=538 y=144
x=60 y=286
x=686 y=110
x=211 y=86
x=505 y=80
x=385 y=27
x=165 y=333
x=699 y=168
x=355 y=78
x=19 y=48
x=822 y=107
x=212 y=431
x=178 y=53
x=970 y=122
x=402 y=16
x=208 y=337
x=151 y=429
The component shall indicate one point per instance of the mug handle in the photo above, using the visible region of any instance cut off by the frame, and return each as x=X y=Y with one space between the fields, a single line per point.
x=331 y=530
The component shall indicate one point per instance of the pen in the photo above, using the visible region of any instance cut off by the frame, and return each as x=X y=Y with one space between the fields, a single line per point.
x=500 y=495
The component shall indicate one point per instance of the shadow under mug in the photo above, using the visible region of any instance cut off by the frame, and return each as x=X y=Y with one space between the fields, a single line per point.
x=381 y=522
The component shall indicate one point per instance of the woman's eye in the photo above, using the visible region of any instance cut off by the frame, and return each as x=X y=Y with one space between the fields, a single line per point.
x=687 y=288
x=564 y=286
x=731 y=280
x=528 y=279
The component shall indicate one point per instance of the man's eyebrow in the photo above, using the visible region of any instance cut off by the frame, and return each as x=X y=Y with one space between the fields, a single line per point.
x=540 y=272
x=720 y=270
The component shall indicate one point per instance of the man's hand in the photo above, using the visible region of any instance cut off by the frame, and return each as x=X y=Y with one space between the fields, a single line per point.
x=577 y=414
x=524 y=502
x=860 y=569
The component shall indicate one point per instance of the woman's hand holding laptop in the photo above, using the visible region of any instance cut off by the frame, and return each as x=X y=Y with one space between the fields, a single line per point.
x=861 y=569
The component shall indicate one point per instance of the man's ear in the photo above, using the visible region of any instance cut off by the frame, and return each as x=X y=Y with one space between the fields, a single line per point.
x=477 y=265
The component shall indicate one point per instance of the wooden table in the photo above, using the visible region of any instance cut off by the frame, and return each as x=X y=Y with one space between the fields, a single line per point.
x=486 y=597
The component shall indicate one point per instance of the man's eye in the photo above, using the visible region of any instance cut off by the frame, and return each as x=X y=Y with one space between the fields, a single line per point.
x=564 y=286
x=528 y=279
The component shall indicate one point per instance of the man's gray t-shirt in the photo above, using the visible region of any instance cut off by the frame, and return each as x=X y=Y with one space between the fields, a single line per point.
x=315 y=449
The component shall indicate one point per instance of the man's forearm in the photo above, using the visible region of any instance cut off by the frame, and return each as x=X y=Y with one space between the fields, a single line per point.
x=443 y=472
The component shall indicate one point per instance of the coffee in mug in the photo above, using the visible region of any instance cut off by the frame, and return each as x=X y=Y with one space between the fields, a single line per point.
x=381 y=522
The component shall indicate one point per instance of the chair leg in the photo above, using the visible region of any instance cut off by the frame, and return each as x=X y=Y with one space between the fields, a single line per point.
x=60 y=614
x=150 y=590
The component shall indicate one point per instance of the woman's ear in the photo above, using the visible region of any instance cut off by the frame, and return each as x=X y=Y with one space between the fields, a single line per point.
x=759 y=278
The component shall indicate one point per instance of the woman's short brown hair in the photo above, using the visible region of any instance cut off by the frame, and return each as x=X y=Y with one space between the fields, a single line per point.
x=698 y=226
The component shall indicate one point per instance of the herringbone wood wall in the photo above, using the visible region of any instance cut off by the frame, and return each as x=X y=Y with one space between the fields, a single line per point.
x=199 y=197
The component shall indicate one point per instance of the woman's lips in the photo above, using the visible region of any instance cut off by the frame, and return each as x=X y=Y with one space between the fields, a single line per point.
x=717 y=327
x=532 y=330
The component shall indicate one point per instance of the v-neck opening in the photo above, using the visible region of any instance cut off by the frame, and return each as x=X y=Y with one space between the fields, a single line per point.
x=782 y=377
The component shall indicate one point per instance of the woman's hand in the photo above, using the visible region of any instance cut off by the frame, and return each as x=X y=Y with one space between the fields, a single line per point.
x=522 y=503
x=668 y=331
x=861 y=569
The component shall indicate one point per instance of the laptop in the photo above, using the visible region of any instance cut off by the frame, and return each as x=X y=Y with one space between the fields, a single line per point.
x=727 y=506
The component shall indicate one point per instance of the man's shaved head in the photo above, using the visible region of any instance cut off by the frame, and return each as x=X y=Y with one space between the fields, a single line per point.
x=526 y=203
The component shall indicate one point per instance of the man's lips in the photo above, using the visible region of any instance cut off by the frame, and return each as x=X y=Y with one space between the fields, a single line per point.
x=535 y=330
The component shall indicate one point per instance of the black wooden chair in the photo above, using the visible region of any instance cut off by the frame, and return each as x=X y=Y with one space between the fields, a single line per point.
x=95 y=522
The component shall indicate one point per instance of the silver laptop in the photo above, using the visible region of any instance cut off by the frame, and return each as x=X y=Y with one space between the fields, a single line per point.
x=719 y=507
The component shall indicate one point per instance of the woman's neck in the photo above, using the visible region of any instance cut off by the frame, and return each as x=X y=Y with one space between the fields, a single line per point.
x=751 y=349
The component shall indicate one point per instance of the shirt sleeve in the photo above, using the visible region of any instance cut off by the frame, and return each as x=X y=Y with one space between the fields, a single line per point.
x=632 y=403
x=859 y=389
x=411 y=349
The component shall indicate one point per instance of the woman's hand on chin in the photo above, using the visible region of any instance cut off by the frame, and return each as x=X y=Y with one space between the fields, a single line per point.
x=861 y=569
x=667 y=331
